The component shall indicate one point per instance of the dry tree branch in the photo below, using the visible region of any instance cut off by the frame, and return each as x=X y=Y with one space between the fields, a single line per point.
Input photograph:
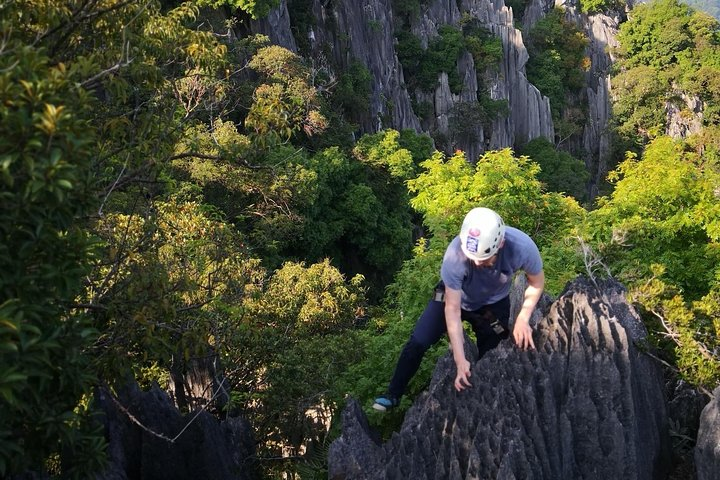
x=675 y=336
x=107 y=195
x=591 y=260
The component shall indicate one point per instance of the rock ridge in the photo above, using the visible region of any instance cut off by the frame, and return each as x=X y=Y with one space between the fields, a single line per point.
x=586 y=404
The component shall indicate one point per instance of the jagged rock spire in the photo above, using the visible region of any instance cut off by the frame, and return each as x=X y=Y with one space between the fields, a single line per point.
x=586 y=404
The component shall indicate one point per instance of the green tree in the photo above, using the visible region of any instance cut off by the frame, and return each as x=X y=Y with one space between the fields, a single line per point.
x=422 y=67
x=255 y=8
x=286 y=101
x=358 y=212
x=168 y=279
x=45 y=187
x=291 y=344
x=559 y=171
x=448 y=189
x=666 y=49
x=601 y=6
x=659 y=233
x=352 y=93
x=88 y=109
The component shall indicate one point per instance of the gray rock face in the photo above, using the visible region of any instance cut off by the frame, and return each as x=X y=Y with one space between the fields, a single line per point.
x=592 y=144
x=585 y=404
x=529 y=111
x=362 y=30
x=602 y=32
x=534 y=11
x=685 y=119
x=707 y=448
x=207 y=448
x=277 y=27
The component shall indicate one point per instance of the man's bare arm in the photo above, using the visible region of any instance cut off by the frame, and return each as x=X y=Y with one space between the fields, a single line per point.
x=522 y=332
x=457 y=339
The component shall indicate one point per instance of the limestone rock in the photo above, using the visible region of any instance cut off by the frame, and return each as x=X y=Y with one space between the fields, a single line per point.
x=207 y=448
x=586 y=404
x=707 y=447
x=592 y=144
x=529 y=111
x=277 y=27
x=684 y=115
x=362 y=31
x=346 y=31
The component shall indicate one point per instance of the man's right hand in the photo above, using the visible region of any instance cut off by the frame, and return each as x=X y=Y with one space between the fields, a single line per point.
x=463 y=373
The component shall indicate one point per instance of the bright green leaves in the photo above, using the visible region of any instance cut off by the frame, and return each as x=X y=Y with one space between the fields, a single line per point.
x=383 y=150
x=665 y=48
x=168 y=277
x=601 y=6
x=442 y=192
x=658 y=234
x=255 y=8
x=693 y=328
x=299 y=325
x=655 y=34
x=662 y=206
x=309 y=300
x=448 y=190
x=287 y=102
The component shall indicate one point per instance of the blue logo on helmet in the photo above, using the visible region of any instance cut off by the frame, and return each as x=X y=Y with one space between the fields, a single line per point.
x=471 y=245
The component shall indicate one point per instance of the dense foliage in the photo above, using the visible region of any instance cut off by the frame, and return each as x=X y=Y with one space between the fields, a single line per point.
x=44 y=253
x=423 y=66
x=559 y=171
x=667 y=50
x=601 y=6
x=659 y=233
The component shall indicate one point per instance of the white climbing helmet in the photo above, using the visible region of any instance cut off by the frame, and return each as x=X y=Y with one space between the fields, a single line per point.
x=481 y=234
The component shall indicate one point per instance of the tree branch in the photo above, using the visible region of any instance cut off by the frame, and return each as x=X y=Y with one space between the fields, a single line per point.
x=154 y=433
x=217 y=157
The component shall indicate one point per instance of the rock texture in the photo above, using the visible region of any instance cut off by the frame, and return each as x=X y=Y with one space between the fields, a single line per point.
x=529 y=111
x=277 y=27
x=586 y=404
x=592 y=144
x=684 y=115
x=707 y=447
x=362 y=30
x=207 y=448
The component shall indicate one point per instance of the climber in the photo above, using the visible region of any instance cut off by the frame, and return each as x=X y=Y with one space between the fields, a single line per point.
x=476 y=275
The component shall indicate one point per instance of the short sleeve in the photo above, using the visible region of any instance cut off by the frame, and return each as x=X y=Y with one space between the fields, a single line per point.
x=454 y=266
x=532 y=262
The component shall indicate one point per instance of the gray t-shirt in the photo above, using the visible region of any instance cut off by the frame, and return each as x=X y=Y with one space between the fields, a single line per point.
x=485 y=285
